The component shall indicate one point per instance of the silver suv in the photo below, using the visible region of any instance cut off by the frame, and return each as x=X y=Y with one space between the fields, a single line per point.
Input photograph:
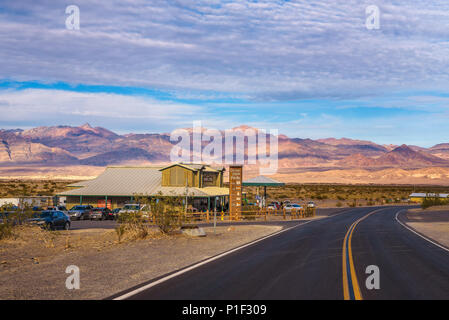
x=80 y=212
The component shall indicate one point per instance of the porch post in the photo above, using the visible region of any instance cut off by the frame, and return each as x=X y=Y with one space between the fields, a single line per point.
x=265 y=196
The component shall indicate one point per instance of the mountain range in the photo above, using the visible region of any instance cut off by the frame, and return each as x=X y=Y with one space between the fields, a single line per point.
x=86 y=149
x=86 y=145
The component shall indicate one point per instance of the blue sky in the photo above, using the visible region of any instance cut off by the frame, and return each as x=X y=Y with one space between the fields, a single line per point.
x=310 y=69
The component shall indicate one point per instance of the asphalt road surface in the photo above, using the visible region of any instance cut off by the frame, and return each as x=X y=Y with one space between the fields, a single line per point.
x=322 y=259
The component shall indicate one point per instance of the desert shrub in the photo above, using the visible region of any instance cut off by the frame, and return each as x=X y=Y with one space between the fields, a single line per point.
x=166 y=212
x=429 y=202
x=120 y=231
x=320 y=197
x=339 y=204
x=132 y=225
x=6 y=231
x=11 y=218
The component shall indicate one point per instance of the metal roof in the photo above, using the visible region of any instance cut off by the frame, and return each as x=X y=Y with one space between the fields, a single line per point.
x=121 y=181
x=195 y=167
x=192 y=191
x=429 y=195
x=131 y=181
x=262 y=181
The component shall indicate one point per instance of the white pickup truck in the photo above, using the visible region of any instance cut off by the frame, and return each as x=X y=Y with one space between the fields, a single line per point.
x=134 y=208
x=131 y=208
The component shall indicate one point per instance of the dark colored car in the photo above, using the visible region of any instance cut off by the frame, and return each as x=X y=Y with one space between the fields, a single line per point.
x=80 y=212
x=101 y=214
x=52 y=219
x=4 y=216
x=115 y=212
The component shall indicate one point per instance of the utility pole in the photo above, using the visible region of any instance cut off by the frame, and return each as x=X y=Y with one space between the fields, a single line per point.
x=187 y=193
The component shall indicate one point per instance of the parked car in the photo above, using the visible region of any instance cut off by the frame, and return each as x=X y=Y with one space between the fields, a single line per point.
x=311 y=204
x=101 y=213
x=115 y=212
x=9 y=208
x=4 y=216
x=52 y=219
x=132 y=208
x=274 y=205
x=292 y=206
x=80 y=212
x=58 y=208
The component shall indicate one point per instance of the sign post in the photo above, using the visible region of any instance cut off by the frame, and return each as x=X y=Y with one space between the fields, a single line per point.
x=215 y=215
x=235 y=191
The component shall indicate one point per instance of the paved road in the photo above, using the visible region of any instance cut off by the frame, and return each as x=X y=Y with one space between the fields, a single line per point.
x=308 y=262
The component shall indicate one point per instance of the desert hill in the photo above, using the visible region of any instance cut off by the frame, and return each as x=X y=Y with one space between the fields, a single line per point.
x=59 y=147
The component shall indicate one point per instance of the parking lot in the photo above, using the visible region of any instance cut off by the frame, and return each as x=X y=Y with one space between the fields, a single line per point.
x=111 y=224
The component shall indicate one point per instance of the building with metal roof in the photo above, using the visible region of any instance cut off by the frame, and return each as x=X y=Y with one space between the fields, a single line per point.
x=117 y=186
x=420 y=196
x=262 y=181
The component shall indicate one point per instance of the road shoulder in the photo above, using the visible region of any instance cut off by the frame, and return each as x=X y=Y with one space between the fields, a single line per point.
x=116 y=268
x=433 y=224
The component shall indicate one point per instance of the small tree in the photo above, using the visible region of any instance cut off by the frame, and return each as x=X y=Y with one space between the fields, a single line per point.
x=167 y=212
x=432 y=201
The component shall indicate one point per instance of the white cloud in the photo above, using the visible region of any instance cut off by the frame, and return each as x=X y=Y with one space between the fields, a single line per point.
x=269 y=50
x=35 y=104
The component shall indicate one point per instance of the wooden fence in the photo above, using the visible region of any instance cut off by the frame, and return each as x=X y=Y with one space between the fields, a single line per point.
x=257 y=214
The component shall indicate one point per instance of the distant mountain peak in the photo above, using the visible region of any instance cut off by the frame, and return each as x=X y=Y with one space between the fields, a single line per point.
x=243 y=127
x=86 y=126
x=404 y=149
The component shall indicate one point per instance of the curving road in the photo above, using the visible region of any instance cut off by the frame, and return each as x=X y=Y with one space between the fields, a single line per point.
x=322 y=259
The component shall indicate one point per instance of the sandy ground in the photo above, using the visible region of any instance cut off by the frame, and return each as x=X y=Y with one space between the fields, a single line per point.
x=432 y=222
x=430 y=176
x=36 y=270
x=426 y=176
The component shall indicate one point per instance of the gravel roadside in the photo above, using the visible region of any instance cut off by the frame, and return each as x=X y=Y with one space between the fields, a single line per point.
x=434 y=224
x=114 y=268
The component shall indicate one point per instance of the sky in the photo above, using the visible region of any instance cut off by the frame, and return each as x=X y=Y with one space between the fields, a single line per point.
x=311 y=69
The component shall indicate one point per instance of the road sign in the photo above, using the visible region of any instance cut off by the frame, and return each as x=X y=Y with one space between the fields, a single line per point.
x=235 y=191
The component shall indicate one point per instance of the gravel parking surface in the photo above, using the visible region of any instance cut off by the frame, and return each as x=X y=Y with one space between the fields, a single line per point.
x=274 y=220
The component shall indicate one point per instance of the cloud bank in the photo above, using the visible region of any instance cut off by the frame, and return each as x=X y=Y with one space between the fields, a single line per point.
x=260 y=50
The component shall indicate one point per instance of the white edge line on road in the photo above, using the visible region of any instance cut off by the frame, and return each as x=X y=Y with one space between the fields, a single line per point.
x=173 y=275
x=417 y=233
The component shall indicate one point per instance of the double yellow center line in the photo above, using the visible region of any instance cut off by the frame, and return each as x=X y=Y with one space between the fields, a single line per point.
x=351 y=289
